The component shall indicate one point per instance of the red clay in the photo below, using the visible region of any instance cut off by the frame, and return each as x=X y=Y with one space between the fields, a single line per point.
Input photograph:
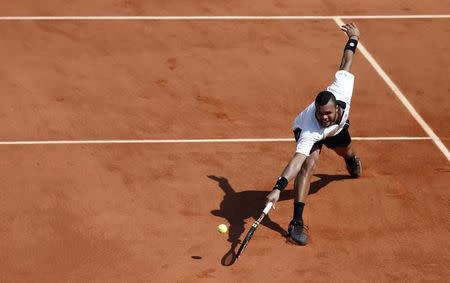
x=178 y=80
x=148 y=212
x=418 y=63
x=139 y=212
x=205 y=7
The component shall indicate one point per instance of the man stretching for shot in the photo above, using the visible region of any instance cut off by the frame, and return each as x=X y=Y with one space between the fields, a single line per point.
x=323 y=122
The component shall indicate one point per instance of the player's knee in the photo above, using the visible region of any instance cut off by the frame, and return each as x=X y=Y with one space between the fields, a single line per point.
x=308 y=166
x=344 y=151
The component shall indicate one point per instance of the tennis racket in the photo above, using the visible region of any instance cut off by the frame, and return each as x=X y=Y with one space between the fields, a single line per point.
x=253 y=229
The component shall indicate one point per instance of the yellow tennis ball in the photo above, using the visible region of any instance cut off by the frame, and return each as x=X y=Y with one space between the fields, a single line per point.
x=222 y=228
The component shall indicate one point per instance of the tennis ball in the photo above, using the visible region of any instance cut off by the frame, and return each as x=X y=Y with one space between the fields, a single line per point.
x=222 y=228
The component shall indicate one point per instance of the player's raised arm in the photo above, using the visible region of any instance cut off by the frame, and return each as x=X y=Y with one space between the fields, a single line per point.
x=353 y=34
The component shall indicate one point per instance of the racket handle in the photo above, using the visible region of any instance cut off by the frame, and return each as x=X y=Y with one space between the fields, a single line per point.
x=268 y=207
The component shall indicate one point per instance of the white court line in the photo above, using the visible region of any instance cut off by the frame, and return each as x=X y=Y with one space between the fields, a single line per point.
x=394 y=17
x=196 y=18
x=197 y=141
x=400 y=96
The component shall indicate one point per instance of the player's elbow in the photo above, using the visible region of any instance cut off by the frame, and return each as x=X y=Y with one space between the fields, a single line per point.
x=347 y=61
x=346 y=66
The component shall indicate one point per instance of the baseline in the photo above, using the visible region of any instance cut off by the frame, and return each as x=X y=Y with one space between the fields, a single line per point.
x=195 y=18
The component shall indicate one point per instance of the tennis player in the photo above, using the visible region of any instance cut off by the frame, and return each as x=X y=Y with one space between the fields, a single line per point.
x=323 y=122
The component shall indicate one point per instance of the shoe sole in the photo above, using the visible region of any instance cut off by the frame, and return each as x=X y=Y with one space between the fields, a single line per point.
x=290 y=241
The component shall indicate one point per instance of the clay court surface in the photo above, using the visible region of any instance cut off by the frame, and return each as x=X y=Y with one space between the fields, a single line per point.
x=89 y=195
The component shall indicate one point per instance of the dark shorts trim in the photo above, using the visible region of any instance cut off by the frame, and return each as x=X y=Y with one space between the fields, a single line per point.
x=340 y=140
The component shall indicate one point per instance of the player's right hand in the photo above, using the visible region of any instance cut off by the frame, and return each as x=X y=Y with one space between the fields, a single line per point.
x=273 y=197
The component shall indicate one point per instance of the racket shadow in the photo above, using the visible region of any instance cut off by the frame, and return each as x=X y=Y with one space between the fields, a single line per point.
x=236 y=207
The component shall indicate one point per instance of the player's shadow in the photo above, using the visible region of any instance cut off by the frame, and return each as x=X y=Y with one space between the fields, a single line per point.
x=236 y=207
x=324 y=180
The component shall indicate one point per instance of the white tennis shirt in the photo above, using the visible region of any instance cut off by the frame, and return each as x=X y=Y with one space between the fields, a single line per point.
x=312 y=131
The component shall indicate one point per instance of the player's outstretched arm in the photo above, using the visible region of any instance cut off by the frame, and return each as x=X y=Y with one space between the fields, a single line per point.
x=353 y=34
x=291 y=170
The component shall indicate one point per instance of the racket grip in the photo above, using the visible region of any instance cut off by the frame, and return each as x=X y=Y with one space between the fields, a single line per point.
x=268 y=207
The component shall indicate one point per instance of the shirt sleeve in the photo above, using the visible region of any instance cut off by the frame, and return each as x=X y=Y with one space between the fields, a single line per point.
x=306 y=142
x=342 y=87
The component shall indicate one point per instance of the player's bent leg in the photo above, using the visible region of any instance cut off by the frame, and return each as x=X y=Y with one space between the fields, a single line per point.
x=297 y=231
x=352 y=161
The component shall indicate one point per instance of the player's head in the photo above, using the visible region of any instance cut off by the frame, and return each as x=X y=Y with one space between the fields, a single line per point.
x=326 y=108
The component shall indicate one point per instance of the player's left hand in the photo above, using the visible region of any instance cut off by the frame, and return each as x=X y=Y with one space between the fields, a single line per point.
x=351 y=30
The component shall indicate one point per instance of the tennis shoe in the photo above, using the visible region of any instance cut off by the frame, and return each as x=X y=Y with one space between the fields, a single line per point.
x=354 y=166
x=298 y=233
